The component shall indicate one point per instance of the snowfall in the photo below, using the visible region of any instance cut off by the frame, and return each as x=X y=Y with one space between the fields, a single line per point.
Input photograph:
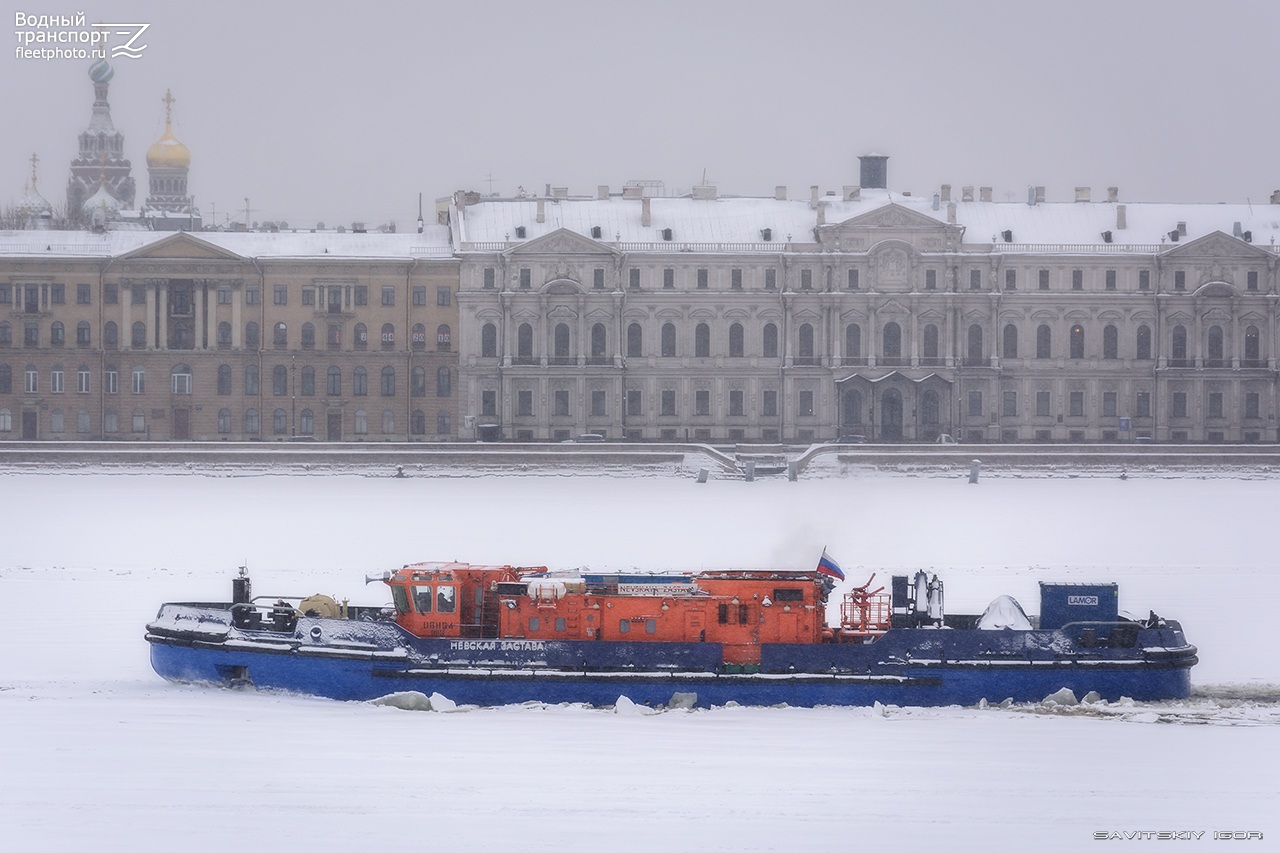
x=97 y=752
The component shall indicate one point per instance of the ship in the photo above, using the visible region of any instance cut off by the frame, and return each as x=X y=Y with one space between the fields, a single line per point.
x=490 y=635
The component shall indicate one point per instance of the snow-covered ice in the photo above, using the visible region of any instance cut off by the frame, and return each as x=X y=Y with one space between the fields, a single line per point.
x=97 y=752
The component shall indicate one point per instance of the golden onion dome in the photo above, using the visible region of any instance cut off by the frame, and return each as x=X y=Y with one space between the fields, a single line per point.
x=168 y=152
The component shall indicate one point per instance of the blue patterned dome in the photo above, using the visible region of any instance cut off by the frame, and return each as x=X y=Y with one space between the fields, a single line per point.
x=101 y=71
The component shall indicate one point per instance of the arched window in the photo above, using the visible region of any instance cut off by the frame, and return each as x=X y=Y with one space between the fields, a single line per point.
x=6 y=334
x=181 y=379
x=805 y=341
x=1010 y=342
x=6 y=379
x=930 y=343
x=418 y=422
x=251 y=380
x=279 y=422
x=668 y=340
x=770 y=341
x=110 y=335
x=361 y=422
x=139 y=379
x=444 y=338
x=224 y=335
x=308 y=336
x=735 y=340
x=333 y=381
x=280 y=335
x=418 y=337
x=853 y=341
x=359 y=382
x=975 y=344
x=251 y=339
x=598 y=341
x=388 y=381
x=57 y=334
x=1077 y=341
x=139 y=421
x=224 y=421
x=444 y=424
x=138 y=340
x=635 y=340
x=388 y=336
x=388 y=422
x=1110 y=341
x=306 y=422
x=1215 y=345
x=361 y=336
x=224 y=379
x=1179 y=343
x=524 y=342
x=1252 y=346
x=251 y=422
x=308 y=381
x=279 y=380
x=1144 y=343
x=560 y=346
x=444 y=382
x=1043 y=341
x=929 y=408
x=892 y=335
x=488 y=341
x=702 y=341
x=418 y=382
x=82 y=334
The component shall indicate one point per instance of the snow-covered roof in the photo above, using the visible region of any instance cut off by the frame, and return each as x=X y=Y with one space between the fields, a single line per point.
x=433 y=242
x=736 y=220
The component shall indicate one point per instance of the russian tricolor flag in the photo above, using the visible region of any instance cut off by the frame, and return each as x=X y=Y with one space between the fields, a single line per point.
x=828 y=566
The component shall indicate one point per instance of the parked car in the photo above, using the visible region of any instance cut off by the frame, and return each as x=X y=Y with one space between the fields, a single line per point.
x=851 y=439
x=945 y=439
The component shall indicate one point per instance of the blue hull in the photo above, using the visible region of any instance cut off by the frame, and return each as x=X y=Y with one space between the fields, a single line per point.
x=357 y=661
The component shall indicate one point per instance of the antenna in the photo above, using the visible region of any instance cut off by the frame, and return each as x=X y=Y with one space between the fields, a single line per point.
x=489 y=180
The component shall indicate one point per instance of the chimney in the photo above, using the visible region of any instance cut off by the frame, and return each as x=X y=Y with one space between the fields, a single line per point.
x=1122 y=219
x=706 y=193
x=1182 y=229
x=1275 y=197
x=602 y=192
x=542 y=211
x=1113 y=194
x=1236 y=230
x=873 y=171
x=951 y=213
x=936 y=201
x=1039 y=195
x=984 y=193
x=966 y=193
x=645 y=218
x=946 y=192
x=813 y=196
x=853 y=193
x=1031 y=196
x=1082 y=193
x=822 y=213
x=780 y=193
x=632 y=192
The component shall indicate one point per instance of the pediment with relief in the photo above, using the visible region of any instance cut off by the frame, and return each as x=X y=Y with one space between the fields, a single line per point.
x=562 y=241
x=1217 y=245
x=891 y=222
x=182 y=246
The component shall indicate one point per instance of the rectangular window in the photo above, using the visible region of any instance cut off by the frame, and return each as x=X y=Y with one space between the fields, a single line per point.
x=1042 y=404
x=1215 y=404
x=224 y=296
x=82 y=294
x=930 y=279
x=1111 y=280
x=31 y=380
x=769 y=403
x=6 y=294
x=388 y=296
x=57 y=294
x=1075 y=402
x=975 y=279
x=55 y=381
x=1251 y=405
x=1179 y=279
x=418 y=296
x=362 y=294
x=703 y=280
x=82 y=381
x=560 y=403
x=490 y=278
x=1109 y=404
x=975 y=404
x=597 y=278
x=1142 y=405
x=489 y=403
x=308 y=296
x=597 y=404
x=854 y=283
x=444 y=296
x=524 y=403
x=668 y=402
x=634 y=401
x=735 y=402
x=252 y=296
x=31 y=334
x=1077 y=279
x=702 y=402
x=735 y=279
x=668 y=279
x=1144 y=279
x=526 y=278
x=1010 y=279
x=633 y=278
x=111 y=294
x=1044 y=279
x=1251 y=280
x=806 y=279
x=771 y=279
x=806 y=404
x=280 y=294
x=1179 y=404
x=1009 y=404
x=138 y=294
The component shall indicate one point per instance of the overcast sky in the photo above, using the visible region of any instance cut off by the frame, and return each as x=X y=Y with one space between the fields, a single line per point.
x=344 y=111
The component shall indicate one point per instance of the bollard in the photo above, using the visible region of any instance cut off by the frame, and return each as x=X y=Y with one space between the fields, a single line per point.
x=793 y=471
x=751 y=471
x=703 y=473
x=974 y=467
x=400 y=471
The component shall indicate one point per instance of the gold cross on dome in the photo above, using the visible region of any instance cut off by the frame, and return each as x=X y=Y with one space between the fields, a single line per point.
x=168 y=105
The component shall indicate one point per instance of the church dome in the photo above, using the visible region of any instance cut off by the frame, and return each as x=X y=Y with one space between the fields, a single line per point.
x=102 y=200
x=168 y=152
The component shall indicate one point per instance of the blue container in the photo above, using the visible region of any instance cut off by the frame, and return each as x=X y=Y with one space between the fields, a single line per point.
x=1064 y=603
